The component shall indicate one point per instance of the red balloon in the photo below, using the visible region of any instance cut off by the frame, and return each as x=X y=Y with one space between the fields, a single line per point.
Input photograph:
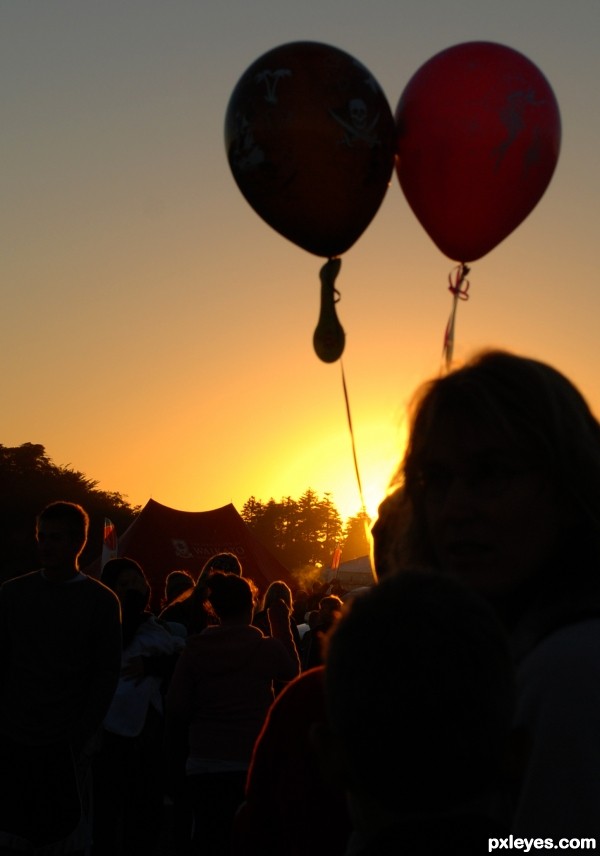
x=478 y=140
x=310 y=141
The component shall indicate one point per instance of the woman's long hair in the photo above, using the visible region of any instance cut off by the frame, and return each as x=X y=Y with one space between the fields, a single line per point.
x=545 y=420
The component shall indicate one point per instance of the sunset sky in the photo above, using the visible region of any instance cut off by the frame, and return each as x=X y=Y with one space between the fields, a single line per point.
x=156 y=334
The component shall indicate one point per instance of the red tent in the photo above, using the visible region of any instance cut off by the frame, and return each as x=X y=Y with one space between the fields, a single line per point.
x=163 y=539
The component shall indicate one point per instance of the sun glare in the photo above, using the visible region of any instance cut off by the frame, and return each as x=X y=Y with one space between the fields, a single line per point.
x=377 y=463
x=322 y=462
x=327 y=466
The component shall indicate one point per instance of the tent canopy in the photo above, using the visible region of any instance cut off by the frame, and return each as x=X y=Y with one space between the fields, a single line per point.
x=163 y=539
x=356 y=573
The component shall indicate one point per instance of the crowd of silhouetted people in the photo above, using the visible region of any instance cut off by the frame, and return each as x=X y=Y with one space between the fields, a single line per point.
x=453 y=703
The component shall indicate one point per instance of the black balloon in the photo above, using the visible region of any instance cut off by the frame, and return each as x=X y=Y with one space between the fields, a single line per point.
x=310 y=141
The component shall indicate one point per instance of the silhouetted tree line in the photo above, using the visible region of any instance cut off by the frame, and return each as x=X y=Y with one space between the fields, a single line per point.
x=301 y=533
x=307 y=531
x=29 y=480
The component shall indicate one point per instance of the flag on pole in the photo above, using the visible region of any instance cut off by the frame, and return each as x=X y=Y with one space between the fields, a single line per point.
x=109 y=542
x=335 y=559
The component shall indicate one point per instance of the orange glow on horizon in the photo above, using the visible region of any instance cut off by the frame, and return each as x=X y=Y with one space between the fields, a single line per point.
x=158 y=332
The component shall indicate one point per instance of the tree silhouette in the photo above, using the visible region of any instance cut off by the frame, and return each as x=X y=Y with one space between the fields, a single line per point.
x=301 y=533
x=356 y=540
x=29 y=480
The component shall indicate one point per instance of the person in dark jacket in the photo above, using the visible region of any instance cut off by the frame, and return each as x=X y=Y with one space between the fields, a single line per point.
x=219 y=697
x=60 y=655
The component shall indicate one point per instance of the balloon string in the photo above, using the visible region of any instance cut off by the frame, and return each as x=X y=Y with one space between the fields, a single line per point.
x=459 y=288
x=360 y=490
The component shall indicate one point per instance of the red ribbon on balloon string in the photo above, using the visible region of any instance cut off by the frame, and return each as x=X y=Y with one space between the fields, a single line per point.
x=459 y=288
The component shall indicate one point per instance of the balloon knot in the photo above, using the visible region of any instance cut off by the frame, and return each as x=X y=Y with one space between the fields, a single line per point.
x=458 y=285
x=329 y=337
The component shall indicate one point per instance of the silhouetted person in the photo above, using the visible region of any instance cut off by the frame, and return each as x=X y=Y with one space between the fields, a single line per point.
x=228 y=563
x=419 y=691
x=129 y=770
x=330 y=609
x=176 y=583
x=277 y=591
x=192 y=608
x=219 y=697
x=500 y=486
x=300 y=606
x=60 y=655
x=290 y=807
